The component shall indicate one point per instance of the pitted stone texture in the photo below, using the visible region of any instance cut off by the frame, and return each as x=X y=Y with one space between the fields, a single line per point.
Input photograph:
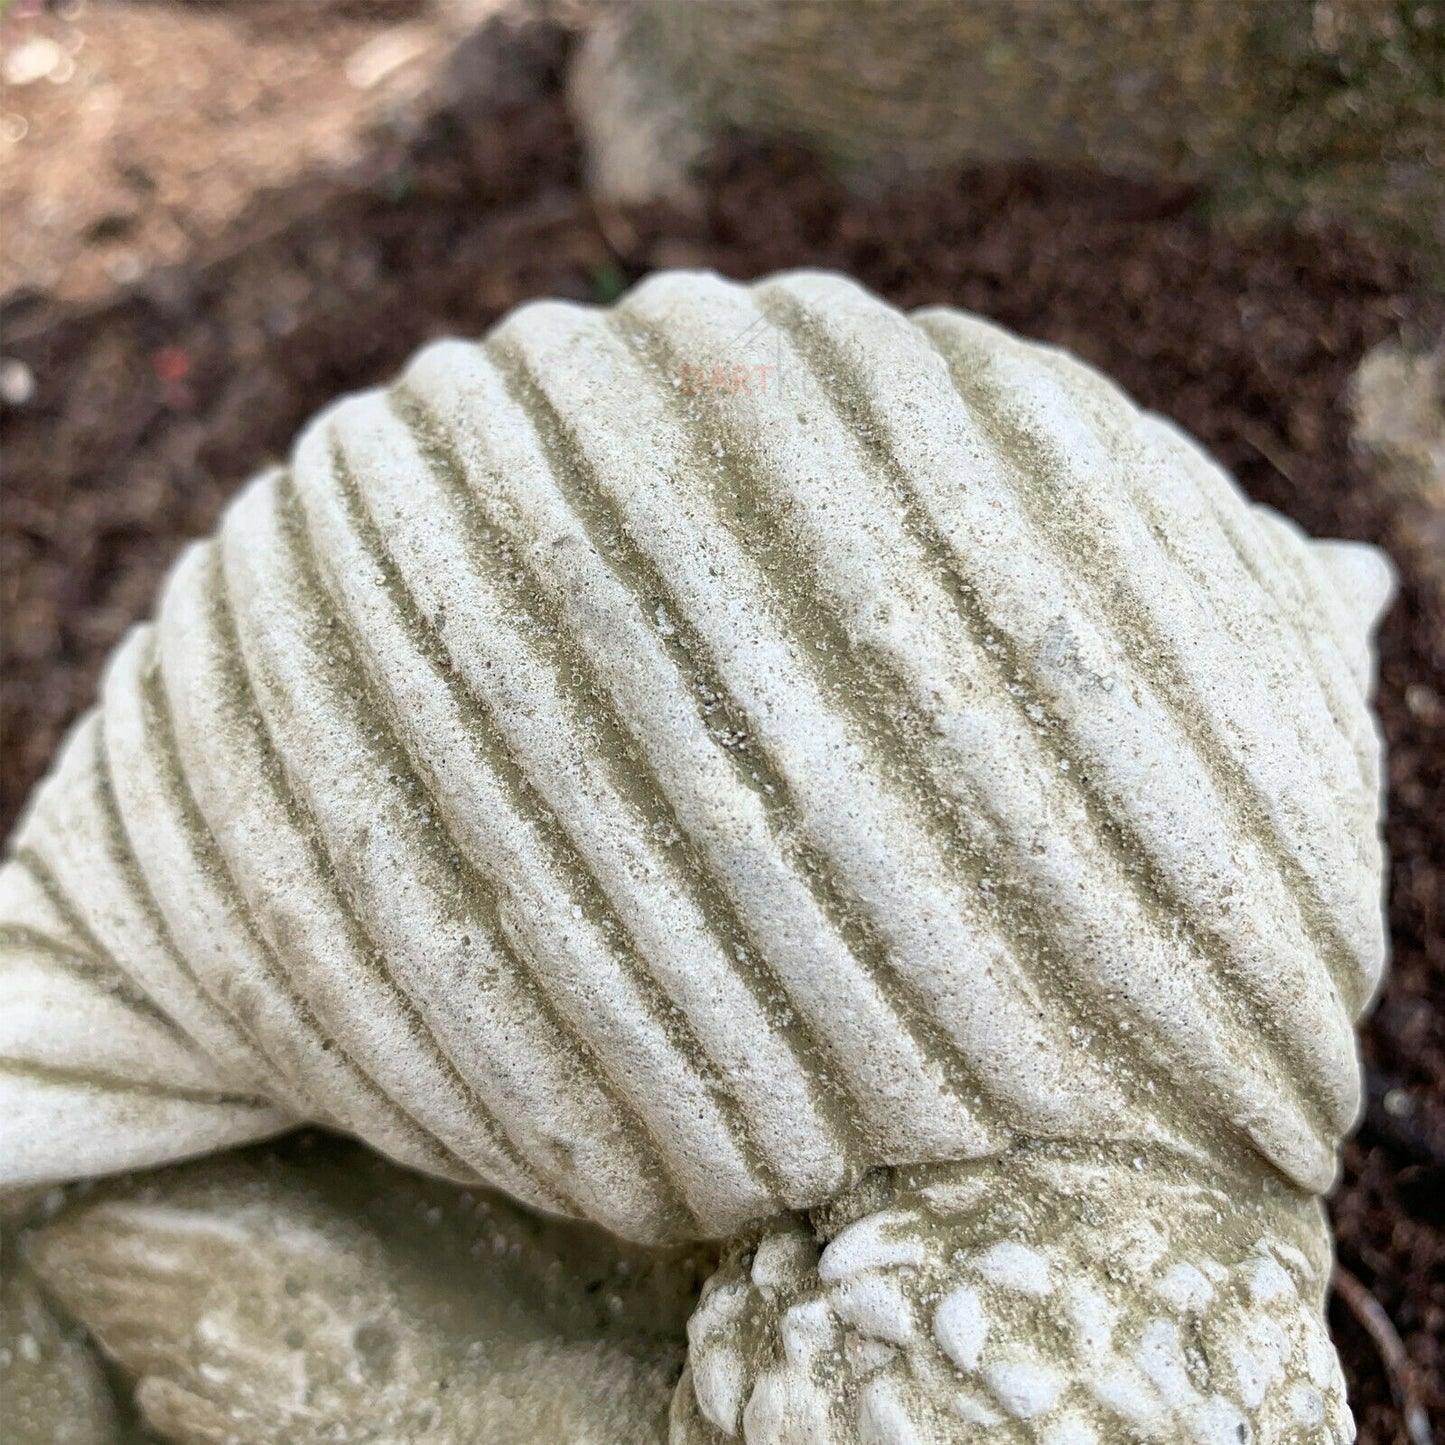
x=665 y=801
x=1035 y=1300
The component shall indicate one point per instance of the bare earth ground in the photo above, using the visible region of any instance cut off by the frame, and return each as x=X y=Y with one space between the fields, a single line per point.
x=250 y=219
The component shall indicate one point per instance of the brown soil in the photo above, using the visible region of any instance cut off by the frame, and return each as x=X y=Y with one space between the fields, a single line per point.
x=153 y=404
x=135 y=128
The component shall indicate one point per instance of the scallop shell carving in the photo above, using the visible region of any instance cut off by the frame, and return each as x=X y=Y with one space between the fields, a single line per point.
x=666 y=802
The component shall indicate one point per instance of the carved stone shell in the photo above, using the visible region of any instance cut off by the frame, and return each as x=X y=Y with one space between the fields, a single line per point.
x=665 y=761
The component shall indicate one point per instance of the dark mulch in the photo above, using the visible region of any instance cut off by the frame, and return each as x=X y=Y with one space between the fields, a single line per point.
x=153 y=407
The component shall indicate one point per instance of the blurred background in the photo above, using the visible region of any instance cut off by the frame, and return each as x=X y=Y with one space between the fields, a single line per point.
x=218 y=216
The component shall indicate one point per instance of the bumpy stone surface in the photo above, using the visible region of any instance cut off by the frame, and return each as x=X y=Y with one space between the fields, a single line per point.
x=1050 y=1298
x=668 y=762
x=315 y=1299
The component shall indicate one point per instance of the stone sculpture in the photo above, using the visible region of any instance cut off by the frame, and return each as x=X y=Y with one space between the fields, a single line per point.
x=749 y=765
x=287 y=1295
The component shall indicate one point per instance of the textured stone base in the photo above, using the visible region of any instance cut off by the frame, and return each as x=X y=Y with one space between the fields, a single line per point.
x=1046 y=1298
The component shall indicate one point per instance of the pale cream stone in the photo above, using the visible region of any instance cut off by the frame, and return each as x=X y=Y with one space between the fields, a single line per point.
x=673 y=762
x=1112 y=1349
